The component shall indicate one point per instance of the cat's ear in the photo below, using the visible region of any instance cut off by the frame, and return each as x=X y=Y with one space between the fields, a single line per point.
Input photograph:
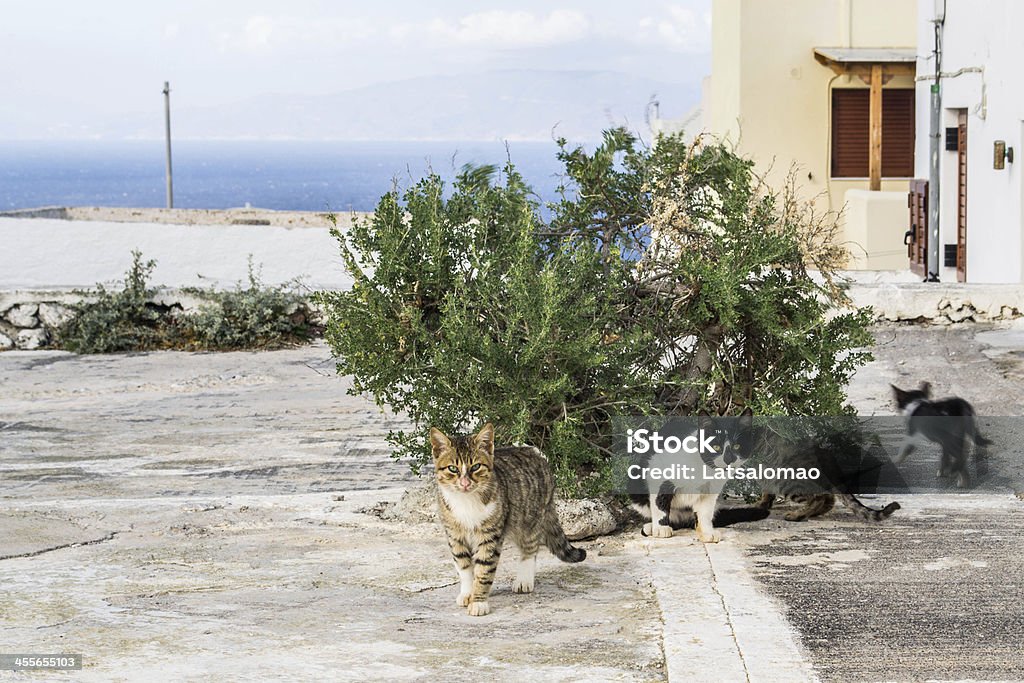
x=926 y=389
x=896 y=391
x=746 y=418
x=485 y=439
x=438 y=442
x=704 y=420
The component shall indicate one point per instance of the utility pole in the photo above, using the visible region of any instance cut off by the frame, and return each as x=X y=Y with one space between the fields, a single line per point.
x=167 y=122
x=933 y=266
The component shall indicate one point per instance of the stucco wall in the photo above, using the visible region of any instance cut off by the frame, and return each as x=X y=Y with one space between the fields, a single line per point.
x=875 y=225
x=979 y=34
x=42 y=253
x=770 y=95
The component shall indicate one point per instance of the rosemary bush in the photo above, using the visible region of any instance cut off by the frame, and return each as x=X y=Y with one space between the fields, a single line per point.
x=667 y=280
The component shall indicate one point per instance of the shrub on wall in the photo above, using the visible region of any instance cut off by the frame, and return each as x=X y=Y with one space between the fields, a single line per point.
x=255 y=316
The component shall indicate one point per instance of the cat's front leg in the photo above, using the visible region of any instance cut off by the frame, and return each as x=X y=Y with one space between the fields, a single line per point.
x=463 y=557
x=910 y=443
x=906 y=447
x=485 y=564
x=705 y=513
x=659 y=526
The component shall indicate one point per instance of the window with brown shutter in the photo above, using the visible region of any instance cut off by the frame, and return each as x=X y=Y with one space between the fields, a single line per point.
x=850 y=132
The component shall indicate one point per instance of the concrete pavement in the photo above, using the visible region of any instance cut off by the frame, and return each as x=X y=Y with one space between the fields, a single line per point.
x=209 y=516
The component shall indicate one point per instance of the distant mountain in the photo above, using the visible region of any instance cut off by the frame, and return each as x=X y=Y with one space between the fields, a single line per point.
x=509 y=105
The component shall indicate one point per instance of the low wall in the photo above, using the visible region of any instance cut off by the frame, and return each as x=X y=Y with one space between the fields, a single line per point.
x=874 y=228
x=95 y=245
x=29 y=319
x=939 y=303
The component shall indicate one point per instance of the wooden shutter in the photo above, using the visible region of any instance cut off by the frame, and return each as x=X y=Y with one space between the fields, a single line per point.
x=961 y=199
x=850 y=133
x=851 y=130
x=897 y=133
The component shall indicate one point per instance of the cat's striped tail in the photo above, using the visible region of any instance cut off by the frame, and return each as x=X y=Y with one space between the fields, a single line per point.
x=868 y=513
x=556 y=541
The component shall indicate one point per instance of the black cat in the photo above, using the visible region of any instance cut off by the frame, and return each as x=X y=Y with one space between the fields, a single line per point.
x=947 y=422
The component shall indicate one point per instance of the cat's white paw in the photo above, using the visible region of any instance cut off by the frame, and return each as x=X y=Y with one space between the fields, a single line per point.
x=661 y=531
x=479 y=609
x=714 y=536
x=463 y=599
x=646 y=531
x=525 y=574
x=520 y=586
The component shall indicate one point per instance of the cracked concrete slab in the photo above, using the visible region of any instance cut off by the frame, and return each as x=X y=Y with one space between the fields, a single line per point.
x=28 y=534
x=719 y=624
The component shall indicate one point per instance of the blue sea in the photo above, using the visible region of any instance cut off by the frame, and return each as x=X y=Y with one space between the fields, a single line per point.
x=282 y=175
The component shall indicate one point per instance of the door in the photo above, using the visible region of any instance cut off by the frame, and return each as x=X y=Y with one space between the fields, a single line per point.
x=961 y=199
x=916 y=238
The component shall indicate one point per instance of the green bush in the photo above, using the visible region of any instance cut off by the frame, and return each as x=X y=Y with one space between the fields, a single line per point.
x=118 y=320
x=667 y=280
x=251 y=317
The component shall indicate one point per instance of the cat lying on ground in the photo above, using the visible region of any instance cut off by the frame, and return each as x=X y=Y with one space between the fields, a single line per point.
x=667 y=503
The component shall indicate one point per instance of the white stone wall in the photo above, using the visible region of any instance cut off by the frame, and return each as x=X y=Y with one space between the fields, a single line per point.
x=28 y=320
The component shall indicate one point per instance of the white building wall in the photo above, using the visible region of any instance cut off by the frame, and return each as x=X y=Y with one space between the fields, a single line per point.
x=981 y=37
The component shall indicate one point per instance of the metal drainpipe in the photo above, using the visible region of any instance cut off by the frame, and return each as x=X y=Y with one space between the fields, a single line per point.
x=934 y=150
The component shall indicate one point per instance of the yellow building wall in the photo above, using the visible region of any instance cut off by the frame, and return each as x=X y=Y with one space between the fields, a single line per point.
x=772 y=99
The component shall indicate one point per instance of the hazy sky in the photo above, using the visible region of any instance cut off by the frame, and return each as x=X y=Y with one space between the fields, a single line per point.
x=69 y=60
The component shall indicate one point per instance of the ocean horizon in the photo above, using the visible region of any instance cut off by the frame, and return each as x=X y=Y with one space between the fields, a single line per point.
x=285 y=175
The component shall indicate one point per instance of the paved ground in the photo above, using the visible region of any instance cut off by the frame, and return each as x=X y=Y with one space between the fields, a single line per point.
x=196 y=516
x=201 y=517
x=933 y=593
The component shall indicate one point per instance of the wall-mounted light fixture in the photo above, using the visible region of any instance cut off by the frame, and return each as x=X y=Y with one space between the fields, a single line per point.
x=1001 y=154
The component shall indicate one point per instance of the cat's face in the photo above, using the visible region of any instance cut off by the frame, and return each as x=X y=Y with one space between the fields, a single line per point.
x=735 y=437
x=463 y=463
x=905 y=398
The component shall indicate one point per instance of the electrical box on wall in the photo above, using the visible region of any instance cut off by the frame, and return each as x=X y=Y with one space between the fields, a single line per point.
x=952 y=139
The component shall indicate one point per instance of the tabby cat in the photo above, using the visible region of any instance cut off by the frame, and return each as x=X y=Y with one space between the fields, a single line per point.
x=488 y=494
x=815 y=504
x=825 y=454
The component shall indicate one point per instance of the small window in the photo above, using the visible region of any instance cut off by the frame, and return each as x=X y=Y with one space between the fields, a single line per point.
x=851 y=134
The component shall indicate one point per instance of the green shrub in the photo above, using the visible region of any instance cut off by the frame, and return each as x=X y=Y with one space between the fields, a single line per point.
x=118 y=320
x=666 y=281
x=252 y=317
